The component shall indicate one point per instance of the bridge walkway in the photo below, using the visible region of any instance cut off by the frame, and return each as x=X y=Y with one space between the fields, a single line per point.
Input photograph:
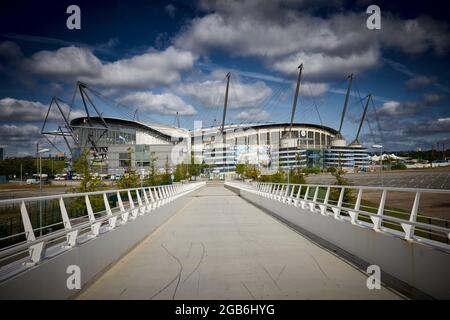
x=219 y=246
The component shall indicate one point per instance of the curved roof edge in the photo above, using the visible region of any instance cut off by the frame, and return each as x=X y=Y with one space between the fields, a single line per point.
x=273 y=125
x=163 y=130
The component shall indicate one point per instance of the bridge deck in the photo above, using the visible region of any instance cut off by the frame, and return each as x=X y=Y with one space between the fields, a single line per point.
x=221 y=247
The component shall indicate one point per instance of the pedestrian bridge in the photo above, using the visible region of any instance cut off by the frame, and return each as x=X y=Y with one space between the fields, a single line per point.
x=226 y=241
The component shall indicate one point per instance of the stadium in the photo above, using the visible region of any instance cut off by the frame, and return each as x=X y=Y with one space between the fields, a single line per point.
x=115 y=143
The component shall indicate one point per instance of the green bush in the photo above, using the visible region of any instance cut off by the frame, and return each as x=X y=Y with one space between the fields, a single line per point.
x=311 y=170
x=398 y=166
x=331 y=170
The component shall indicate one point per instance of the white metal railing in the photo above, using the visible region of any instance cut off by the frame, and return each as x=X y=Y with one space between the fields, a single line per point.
x=412 y=226
x=35 y=247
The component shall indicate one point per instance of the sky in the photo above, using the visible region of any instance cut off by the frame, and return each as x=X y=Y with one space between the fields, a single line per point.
x=148 y=60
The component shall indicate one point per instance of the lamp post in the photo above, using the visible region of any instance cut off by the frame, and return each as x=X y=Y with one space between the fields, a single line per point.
x=380 y=146
x=40 y=152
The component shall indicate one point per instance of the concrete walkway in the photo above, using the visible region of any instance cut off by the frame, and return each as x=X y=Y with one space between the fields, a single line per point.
x=221 y=247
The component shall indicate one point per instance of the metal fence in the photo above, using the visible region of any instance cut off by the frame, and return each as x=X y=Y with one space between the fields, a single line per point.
x=347 y=203
x=43 y=225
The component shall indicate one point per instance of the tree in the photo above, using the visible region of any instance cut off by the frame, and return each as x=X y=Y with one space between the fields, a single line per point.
x=152 y=177
x=279 y=177
x=297 y=177
x=336 y=192
x=130 y=179
x=331 y=170
x=181 y=172
x=88 y=183
x=194 y=168
x=251 y=172
x=240 y=169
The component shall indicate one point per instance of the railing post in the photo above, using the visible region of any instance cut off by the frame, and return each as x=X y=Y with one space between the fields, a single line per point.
x=27 y=227
x=36 y=251
x=323 y=207
x=122 y=209
x=409 y=228
x=292 y=192
x=95 y=227
x=112 y=220
x=132 y=207
x=71 y=236
x=275 y=191
x=158 y=196
x=378 y=219
x=337 y=211
x=296 y=200
x=139 y=199
x=312 y=205
x=280 y=193
x=147 y=203
x=284 y=196
x=305 y=198
x=163 y=194
x=152 y=199
x=354 y=214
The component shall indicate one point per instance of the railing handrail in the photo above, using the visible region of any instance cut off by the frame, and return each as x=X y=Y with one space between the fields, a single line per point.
x=81 y=194
x=398 y=189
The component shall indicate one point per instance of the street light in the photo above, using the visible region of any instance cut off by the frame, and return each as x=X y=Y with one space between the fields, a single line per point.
x=40 y=152
x=380 y=146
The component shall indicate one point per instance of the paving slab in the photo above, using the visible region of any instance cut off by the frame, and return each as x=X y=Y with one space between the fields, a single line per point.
x=219 y=246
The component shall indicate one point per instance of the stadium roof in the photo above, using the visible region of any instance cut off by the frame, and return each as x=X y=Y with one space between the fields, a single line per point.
x=159 y=129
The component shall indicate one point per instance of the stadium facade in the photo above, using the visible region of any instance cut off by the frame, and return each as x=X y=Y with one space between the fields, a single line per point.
x=128 y=143
x=134 y=143
x=273 y=146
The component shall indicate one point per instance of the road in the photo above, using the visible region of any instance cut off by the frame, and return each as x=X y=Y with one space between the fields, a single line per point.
x=219 y=246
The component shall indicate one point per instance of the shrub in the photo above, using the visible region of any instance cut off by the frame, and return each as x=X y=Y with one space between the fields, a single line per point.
x=398 y=166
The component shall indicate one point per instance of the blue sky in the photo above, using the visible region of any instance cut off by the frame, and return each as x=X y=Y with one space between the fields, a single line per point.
x=163 y=57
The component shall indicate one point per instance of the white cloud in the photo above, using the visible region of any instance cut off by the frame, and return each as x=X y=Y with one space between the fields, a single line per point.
x=165 y=103
x=147 y=69
x=13 y=109
x=396 y=109
x=419 y=82
x=23 y=110
x=430 y=127
x=65 y=63
x=210 y=93
x=253 y=115
x=19 y=133
x=141 y=71
x=284 y=33
x=311 y=89
x=320 y=65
